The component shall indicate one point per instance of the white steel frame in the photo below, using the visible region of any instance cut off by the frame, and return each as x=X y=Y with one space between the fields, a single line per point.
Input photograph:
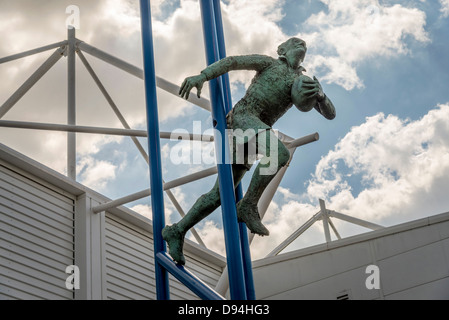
x=74 y=46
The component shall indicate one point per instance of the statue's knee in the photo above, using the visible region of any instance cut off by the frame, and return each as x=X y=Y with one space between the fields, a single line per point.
x=211 y=198
x=214 y=196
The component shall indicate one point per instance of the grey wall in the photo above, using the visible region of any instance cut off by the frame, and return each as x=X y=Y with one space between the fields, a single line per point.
x=413 y=262
x=47 y=224
x=36 y=237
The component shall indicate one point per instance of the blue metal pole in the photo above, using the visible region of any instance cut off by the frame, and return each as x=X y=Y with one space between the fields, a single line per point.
x=246 y=252
x=195 y=284
x=247 y=264
x=232 y=237
x=157 y=195
x=226 y=86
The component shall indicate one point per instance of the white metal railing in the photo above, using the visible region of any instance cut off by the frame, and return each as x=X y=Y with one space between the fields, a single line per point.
x=324 y=215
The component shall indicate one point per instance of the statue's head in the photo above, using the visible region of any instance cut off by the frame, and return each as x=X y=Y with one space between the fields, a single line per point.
x=293 y=51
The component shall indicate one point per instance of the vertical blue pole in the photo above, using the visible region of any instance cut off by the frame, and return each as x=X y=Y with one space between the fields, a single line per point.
x=222 y=54
x=232 y=237
x=246 y=252
x=157 y=195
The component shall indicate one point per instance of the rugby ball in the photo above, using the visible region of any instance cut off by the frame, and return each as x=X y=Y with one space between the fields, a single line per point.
x=301 y=102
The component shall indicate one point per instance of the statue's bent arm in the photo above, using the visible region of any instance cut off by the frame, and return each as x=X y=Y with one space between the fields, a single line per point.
x=326 y=108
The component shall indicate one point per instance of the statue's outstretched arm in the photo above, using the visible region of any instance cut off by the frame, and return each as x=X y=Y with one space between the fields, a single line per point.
x=249 y=62
x=254 y=62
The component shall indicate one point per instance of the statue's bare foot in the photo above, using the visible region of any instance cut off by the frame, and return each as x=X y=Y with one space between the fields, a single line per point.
x=175 y=242
x=248 y=213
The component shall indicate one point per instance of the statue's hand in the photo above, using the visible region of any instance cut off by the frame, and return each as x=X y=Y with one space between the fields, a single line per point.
x=313 y=89
x=190 y=83
x=306 y=93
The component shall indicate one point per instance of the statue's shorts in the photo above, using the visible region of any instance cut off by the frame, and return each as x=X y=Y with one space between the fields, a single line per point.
x=244 y=129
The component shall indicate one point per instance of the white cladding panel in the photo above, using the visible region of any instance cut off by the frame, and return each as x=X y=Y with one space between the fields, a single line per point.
x=413 y=262
x=129 y=264
x=36 y=238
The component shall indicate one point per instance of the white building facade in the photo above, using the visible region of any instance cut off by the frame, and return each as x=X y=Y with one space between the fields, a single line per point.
x=47 y=225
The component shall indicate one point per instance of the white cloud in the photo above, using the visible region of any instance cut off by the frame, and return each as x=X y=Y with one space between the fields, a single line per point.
x=348 y=33
x=179 y=46
x=144 y=210
x=212 y=236
x=444 y=8
x=171 y=213
x=354 y=31
x=94 y=173
x=401 y=165
x=124 y=15
x=281 y=219
x=251 y=27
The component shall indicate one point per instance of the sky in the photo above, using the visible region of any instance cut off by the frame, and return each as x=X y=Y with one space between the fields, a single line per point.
x=384 y=158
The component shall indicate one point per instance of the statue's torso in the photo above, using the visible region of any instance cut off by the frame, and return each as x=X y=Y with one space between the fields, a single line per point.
x=269 y=95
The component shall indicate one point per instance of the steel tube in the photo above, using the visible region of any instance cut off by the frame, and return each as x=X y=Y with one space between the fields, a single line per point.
x=295 y=235
x=324 y=216
x=106 y=57
x=72 y=128
x=173 y=136
x=337 y=234
x=99 y=130
x=156 y=185
x=137 y=72
x=174 y=89
x=191 y=281
x=103 y=90
x=354 y=220
x=272 y=187
x=121 y=201
x=303 y=141
x=146 y=193
x=33 y=51
x=71 y=103
x=31 y=81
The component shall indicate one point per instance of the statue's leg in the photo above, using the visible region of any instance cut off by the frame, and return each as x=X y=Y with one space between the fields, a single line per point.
x=276 y=156
x=205 y=205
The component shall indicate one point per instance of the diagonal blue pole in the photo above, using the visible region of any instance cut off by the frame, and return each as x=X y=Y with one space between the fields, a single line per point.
x=237 y=286
x=246 y=252
x=195 y=284
x=157 y=195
